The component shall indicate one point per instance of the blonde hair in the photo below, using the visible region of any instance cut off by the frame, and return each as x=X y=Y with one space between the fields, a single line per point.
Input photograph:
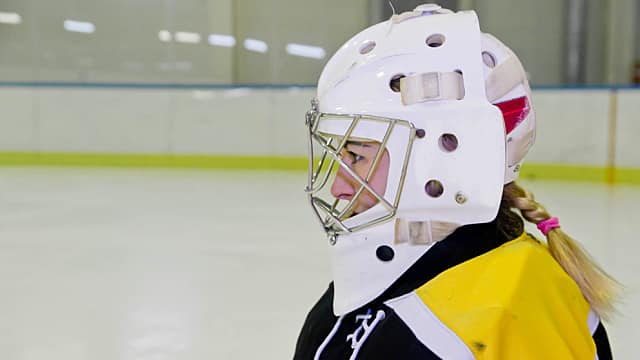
x=600 y=289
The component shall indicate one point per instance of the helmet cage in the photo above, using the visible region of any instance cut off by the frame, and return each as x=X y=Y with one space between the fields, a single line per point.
x=332 y=215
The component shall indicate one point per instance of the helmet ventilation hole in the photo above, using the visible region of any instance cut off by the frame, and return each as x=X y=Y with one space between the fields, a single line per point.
x=448 y=142
x=394 y=84
x=385 y=253
x=435 y=40
x=434 y=188
x=367 y=47
x=489 y=59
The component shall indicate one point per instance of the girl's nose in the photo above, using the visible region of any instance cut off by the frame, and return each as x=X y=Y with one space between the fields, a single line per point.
x=342 y=187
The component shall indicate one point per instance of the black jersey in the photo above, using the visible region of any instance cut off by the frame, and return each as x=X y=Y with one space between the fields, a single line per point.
x=464 y=299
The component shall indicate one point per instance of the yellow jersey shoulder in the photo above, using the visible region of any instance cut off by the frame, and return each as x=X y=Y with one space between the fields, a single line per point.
x=513 y=302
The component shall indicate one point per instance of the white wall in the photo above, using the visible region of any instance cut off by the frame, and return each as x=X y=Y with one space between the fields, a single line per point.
x=238 y=121
x=573 y=125
x=628 y=129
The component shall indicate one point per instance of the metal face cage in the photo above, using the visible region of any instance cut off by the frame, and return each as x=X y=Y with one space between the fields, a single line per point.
x=335 y=215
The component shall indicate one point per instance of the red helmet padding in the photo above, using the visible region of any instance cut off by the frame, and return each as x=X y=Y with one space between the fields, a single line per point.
x=514 y=112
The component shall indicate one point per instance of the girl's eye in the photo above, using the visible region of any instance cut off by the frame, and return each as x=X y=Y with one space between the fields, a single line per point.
x=355 y=157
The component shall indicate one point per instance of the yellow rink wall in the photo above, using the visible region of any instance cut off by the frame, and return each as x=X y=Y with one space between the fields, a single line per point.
x=529 y=170
x=584 y=134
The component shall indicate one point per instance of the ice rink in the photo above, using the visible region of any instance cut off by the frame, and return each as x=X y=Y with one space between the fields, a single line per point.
x=107 y=264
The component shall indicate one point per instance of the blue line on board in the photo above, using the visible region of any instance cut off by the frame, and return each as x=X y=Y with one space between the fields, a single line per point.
x=159 y=86
x=174 y=86
x=586 y=87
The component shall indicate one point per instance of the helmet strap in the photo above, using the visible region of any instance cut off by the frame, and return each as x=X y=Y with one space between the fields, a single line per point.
x=425 y=232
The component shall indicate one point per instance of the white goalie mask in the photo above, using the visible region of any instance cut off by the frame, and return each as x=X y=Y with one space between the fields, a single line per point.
x=427 y=118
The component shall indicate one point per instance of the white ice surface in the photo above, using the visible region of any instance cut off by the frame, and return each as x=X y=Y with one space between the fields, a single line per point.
x=107 y=264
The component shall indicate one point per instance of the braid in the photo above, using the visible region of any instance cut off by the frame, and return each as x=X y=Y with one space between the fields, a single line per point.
x=508 y=224
x=523 y=200
x=596 y=285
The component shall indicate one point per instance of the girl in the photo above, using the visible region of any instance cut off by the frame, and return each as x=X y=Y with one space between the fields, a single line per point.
x=422 y=122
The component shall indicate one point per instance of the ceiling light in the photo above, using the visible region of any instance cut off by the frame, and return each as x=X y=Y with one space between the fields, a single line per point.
x=308 y=51
x=79 y=26
x=256 y=45
x=10 y=18
x=164 y=36
x=222 y=40
x=187 y=37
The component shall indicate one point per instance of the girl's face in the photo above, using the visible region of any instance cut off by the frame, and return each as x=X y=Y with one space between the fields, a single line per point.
x=359 y=156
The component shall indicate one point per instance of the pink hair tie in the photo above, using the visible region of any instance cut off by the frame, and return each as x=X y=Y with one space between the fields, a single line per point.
x=548 y=225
